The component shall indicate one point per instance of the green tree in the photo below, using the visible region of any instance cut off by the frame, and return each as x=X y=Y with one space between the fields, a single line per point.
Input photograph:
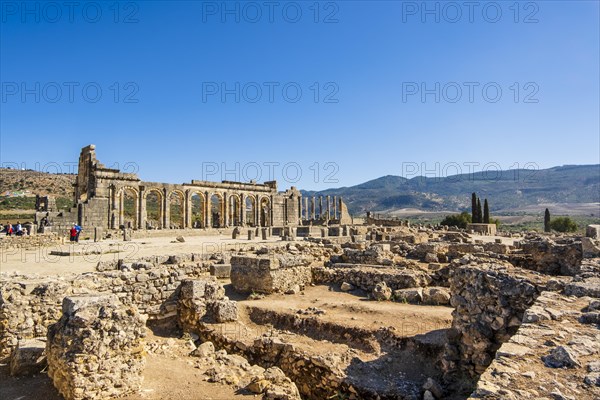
x=486 y=212
x=474 y=207
x=479 y=213
x=563 y=224
x=459 y=220
x=547 y=221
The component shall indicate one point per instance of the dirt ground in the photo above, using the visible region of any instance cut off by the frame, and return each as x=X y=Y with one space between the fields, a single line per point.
x=357 y=311
x=40 y=261
x=169 y=375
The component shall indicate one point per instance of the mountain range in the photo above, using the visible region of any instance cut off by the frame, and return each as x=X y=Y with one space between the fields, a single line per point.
x=510 y=190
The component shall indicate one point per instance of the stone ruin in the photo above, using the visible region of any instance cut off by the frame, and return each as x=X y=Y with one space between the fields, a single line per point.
x=100 y=194
x=524 y=323
x=96 y=349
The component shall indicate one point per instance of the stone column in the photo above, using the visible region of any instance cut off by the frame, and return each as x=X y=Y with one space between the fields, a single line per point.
x=187 y=209
x=328 y=207
x=242 y=209
x=335 y=207
x=207 y=211
x=166 y=210
x=122 y=208
x=141 y=209
x=113 y=198
x=225 y=212
x=300 y=209
x=312 y=208
x=320 y=207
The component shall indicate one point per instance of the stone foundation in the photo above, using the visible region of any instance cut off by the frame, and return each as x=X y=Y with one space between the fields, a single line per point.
x=95 y=350
x=270 y=274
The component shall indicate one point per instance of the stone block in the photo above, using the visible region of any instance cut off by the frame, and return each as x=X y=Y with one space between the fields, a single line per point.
x=220 y=271
x=28 y=358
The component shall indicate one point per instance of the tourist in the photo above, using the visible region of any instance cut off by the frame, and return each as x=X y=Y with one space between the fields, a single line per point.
x=9 y=229
x=73 y=234
x=19 y=229
x=78 y=228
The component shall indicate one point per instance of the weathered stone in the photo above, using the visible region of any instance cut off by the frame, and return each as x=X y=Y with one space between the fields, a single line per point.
x=28 y=358
x=346 y=287
x=436 y=296
x=96 y=349
x=414 y=296
x=220 y=271
x=561 y=357
x=224 y=310
x=382 y=292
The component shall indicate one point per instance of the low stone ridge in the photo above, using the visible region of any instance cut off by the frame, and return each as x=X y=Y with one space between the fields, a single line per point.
x=96 y=349
x=270 y=274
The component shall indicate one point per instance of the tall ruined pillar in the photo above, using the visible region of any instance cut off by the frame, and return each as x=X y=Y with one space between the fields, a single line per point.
x=225 y=210
x=242 y=209
x=328 y=207
x=207 y=210
x=306 y=217
x=187 y=209
x=166 y=210
x=320 y=207
x=141 y=209
x=122 y=208
x=335 y=207
x=312 y=208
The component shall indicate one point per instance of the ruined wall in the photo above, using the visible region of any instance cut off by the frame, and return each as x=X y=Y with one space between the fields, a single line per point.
x=277 y=273
x=95 y=350
x=29 y=306
x=490 y=301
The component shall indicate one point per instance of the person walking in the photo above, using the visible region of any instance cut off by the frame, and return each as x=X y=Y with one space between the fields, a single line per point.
x=73 y=234
x=19 y=229
x=9 y=229
x=78 y=228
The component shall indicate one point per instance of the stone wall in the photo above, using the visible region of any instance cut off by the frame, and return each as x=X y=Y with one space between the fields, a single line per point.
x=277 y=273
x=28 y=306
x=95 y=350
x=367 y=277
x=490 y=301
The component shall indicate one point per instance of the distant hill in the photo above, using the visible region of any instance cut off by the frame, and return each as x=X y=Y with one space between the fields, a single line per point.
x=34 y=182
x=508 y=190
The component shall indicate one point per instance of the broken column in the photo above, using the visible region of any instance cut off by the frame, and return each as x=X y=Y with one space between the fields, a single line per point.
x=96 y=349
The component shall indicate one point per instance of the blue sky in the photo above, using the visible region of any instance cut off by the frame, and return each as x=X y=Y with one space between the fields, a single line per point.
x=191 y=90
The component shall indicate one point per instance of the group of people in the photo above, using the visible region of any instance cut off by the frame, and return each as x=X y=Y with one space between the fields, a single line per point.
x=74 y=233
x=17 y=230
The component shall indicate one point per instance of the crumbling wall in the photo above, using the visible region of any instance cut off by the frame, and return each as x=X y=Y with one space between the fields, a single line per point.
x=270 y=274
x=96 y=350
x=367 y=277
x=490 y=301
x=28 y=306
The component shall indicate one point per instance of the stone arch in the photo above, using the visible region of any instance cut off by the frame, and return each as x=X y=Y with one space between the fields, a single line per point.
x=265 y=211
x=176 y=204
x=197 y=209
x=250 y=210
x=215 y=210
x=153 y=207
x=128 y=198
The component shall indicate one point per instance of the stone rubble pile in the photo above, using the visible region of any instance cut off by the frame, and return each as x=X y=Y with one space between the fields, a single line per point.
x=96 y=349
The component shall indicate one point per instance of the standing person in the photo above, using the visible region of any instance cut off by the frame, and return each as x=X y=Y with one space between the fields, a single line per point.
x=78 y=228
x=9 y=229
x=19 y=229
x=73 y=234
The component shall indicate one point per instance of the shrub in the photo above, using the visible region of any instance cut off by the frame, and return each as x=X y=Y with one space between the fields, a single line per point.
x=563 y=224
x=460 y=220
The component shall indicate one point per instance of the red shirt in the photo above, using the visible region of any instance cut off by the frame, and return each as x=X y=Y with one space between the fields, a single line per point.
x=73 y=232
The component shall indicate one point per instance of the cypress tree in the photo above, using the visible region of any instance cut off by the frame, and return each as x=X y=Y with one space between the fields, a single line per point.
x=479 y=213
x=474 y=207
x=547 y=221
x=486 y=212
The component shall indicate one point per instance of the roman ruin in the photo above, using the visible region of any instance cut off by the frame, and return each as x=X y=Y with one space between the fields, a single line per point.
x=100 y=194
x=307 y=305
